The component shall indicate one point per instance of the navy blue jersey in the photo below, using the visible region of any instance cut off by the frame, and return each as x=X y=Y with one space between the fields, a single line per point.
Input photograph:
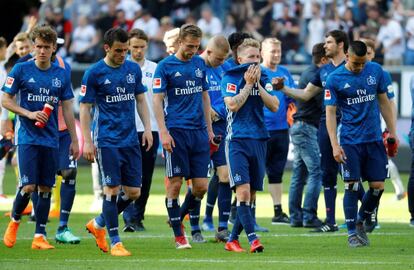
x=320 y=81
x=356 y=95
x=182 y=82
x=229 y=64
x=113 y=91
x=213 y=77
x=248 y=121
x=278 y=120
x=34 y=87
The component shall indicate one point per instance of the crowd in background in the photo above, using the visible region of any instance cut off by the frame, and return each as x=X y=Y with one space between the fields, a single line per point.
x=299 y=24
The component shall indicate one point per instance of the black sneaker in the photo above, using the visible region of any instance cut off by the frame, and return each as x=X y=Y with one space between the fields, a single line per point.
x=139 y=227
x=296 y=224
x=314 y=223
x=354 y=241
x=129 y=227
x=326 y=228
x=222 y=236
x=281 y=219
x=360 y=231
x=371 y=222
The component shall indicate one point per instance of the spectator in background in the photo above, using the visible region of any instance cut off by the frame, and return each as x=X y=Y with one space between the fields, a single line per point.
x=84 y=40
x=316 y=28
x=121 y=21
x=391 y=37
x=409 y=53
x=158 y=49
x=63 y=28
x=209 y=24
x=148 y=24
x=229 y=26
x=130 y=7
x=254 y=26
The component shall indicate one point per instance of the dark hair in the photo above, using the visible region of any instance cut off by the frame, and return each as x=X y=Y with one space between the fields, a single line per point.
x=190 y=30
x=318 y=51
x=115 y=34
x=11 y=61
x=339 y=36
x=358 y=48
x=138 y=33
x=236 y=38
x=44 y=32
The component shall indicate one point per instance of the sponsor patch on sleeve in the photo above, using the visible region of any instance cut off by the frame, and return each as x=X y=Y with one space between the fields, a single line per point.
x=156 y=83
x=231 y=88
x=83 y=90
x=9 y=82
x=327 y=94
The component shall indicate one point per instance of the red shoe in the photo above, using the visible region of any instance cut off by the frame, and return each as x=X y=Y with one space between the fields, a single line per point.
x=233 y=246
x=99 y=234
x=181 y=242
x=256 y=246
x=9 y=238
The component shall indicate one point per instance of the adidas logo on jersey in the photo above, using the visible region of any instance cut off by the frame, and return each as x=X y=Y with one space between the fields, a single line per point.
x=31 y=80
x=107 y=81
x=177 y=74
x=346 y=86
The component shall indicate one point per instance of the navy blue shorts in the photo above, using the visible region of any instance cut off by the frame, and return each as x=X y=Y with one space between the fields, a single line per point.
x=120 y=166
x=329 y=166
x=65 y=160
x=276 y=155
x=246 y=161
x=366 y=161
x=219 y=157
x=190 y=157
x=37 y=165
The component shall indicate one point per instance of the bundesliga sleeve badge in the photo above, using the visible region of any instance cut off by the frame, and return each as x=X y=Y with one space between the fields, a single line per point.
x=83 y=90
x=231 y=88
x=9 y=82
x=156 y=83
x=327 y=94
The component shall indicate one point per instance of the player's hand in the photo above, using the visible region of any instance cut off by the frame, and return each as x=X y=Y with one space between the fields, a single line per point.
x=339 y=154
x=278 y=83
x=391 y=143
x=38 y=116
x=167 y=141
x=89 y=151
x=147 y=140
x=74 y=150
x=250 y=76
x=210 y=135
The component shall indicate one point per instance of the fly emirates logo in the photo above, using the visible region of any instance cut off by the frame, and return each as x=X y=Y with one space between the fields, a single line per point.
x=361 y=98
x=120 y=96
x=43 y=96
x=191 y=88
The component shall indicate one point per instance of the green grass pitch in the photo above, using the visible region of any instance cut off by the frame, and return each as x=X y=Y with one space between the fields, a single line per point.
x=392 y=246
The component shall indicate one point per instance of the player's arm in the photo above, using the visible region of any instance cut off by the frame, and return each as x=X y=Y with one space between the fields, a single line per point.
x=387 y=111
x=303 y=95
x=271 y=102
x=67 y=110
x=143 y=112
x=166 y=139
x=89 y=149
x=8 y=102
x=331 y=126
x=207 y=114
x=236 y=102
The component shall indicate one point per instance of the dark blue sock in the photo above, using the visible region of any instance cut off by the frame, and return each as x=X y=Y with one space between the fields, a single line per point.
x=42 y=212
x=330 y=198
x=67 y=195
x=224 y=205
x=19 y=204
x=351 y=208
x=173 y=209
x=194 y=211
x=237 y=229
x=184 y=206
x=369 y=203
x=244 y=211
x=110 y=215
x=34 y=197
x=122 y=202
x=361 y=191
x=253 y=211
x=212 y=191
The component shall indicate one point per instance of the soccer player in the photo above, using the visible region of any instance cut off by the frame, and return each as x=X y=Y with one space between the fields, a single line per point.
x=134 y=214
x=180 y=90
x=359 y=89
x=114 y=87
x=246 y=90
x=410 y=185
x=214 y=55
x=278 y=127
x=336 y=44
x=38 y=82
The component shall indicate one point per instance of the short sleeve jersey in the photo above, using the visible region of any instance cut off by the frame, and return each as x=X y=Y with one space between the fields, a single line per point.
x=356 y=95
x=113 y=91
x=248 y=121
x=182 y=83
x=34 y=87
x=213 y=77
x=278 y=120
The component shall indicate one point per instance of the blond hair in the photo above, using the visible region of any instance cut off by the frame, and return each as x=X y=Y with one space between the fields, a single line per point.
x=247 y=43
